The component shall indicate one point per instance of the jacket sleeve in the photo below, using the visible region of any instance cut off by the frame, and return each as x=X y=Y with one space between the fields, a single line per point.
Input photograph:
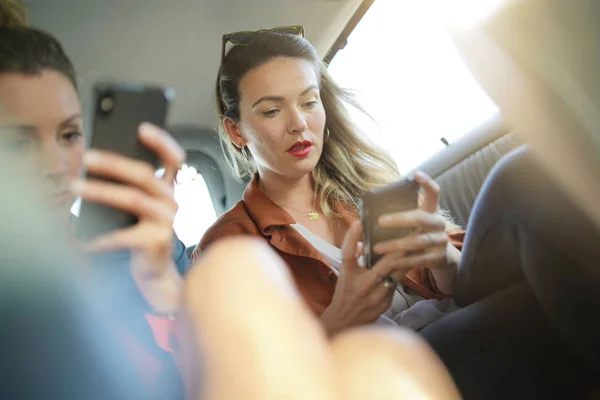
x=227 y=226
x=422 y=281
x=212 y=235
x=179 y=255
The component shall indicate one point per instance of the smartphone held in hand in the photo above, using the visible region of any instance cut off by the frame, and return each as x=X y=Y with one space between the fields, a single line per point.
x=119 y=111
x=397 y=197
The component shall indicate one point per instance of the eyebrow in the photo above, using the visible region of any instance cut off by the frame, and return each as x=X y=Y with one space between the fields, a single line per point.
x=69 y=121
x=279 y=98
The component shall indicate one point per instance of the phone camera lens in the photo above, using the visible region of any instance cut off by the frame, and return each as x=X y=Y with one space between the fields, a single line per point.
x=107 y=104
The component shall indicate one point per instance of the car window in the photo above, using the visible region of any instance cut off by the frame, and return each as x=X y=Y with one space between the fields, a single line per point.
x=196 y=210
x=411 y=80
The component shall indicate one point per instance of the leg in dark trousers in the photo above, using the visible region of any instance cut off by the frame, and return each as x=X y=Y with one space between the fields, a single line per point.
x=528 y=281
x=523 y=227
x=504 y=347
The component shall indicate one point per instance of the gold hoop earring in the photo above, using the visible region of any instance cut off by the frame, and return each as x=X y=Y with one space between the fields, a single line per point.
x=242 y=150
x=326 y=134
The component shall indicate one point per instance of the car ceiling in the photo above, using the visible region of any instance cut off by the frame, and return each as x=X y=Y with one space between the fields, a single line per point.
x=178 y=43
x=174 y=42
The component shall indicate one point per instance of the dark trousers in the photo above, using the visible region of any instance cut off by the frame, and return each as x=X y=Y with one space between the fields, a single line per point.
x=529 y=282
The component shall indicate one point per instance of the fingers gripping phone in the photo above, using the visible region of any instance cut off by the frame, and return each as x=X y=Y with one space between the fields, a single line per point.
x=119 y=110
x=397 y=197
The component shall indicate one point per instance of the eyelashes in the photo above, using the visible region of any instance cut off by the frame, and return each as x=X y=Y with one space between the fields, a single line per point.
x=275 y=111
x=270 y=113
x=72 y=136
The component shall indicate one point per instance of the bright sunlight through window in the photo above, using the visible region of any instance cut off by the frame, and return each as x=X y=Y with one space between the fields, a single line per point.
x=465 y=14
x=411 y=80
x=196 y=210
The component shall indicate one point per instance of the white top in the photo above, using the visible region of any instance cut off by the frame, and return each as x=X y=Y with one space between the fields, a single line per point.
x=401 y=312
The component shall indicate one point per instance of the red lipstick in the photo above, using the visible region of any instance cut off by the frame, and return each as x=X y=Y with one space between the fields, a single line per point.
x=301 y=149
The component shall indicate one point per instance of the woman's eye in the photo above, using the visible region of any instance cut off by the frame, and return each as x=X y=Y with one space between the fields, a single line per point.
x=271 y=113
x=72 y=136
x=18 y=142
x=311 y=104
x=18 y=145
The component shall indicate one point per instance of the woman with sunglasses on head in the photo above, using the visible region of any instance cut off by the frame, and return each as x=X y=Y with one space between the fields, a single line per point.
x=141 y=266
x=283 y=122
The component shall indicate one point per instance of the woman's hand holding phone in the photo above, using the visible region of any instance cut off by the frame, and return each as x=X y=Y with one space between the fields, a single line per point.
x=136 y=189
x=428 y=246
x=361 y=295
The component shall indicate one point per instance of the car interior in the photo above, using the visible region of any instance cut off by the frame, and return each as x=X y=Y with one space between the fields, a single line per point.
x=439 y=113
x=187 y=34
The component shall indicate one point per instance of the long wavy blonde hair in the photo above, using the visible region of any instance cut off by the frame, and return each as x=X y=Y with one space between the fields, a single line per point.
x=350 y=163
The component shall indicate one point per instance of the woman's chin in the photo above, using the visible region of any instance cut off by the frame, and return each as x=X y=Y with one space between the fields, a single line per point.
x=290 y=169
x=62 y=209
x=302 y=168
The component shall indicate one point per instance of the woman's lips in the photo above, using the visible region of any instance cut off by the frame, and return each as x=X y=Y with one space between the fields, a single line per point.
x=301 y=149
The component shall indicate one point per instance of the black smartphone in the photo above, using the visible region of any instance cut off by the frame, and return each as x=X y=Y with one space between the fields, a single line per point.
x=396 y=197
x=119 y=110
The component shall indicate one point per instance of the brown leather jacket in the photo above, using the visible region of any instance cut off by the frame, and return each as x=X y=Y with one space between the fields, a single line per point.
x=257 y=215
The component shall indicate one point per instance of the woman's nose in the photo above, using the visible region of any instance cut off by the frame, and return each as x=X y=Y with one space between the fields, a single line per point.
x=53 y=166
x=297 y=122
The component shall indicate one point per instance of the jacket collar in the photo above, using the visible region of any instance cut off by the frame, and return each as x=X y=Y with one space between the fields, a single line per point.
x=267 y=214
x=262 y=209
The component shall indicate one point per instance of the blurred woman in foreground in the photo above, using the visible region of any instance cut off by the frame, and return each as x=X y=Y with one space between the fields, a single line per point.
x=140 y=267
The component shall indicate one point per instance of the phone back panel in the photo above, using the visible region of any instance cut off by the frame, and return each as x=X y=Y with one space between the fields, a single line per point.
x=397 y=197
x=119 y=110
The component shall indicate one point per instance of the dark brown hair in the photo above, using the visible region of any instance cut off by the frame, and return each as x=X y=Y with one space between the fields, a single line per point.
x=27 y=50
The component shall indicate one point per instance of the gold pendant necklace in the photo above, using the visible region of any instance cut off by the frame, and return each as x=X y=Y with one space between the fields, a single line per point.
x=312 y=214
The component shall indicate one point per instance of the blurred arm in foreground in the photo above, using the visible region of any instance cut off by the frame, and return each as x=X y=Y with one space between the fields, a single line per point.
x=271 y=346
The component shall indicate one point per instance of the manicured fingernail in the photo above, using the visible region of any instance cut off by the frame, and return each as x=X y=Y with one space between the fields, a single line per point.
x=148 y=130
x=77 y=186
x=419 y=174
x=91 y=157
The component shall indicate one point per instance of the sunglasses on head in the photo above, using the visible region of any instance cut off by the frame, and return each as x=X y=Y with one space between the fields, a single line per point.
x=244 y=37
